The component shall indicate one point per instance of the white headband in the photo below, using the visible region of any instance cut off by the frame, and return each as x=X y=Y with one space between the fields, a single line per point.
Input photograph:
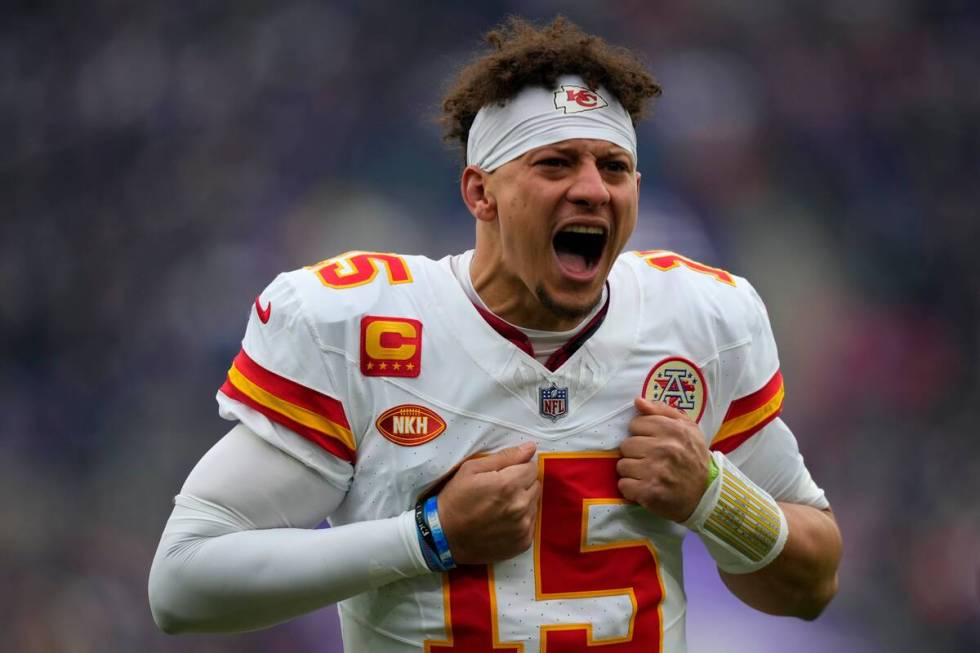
x=537 y=116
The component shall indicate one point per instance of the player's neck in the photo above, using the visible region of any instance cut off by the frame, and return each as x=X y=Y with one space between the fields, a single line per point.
x=506 y=296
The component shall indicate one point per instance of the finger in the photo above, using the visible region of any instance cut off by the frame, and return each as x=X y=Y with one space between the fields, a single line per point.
x=521 y=476
x=503 y=458
x=654 y=425
x=534 y=491
x=636 y=446
x=633 y=468
x=646 y=407
x=529 y=497
x=629 y=488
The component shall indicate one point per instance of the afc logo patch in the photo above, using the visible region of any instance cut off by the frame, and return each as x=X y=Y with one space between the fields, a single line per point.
x=678 y=383
x=553 y=402
x=391 y=346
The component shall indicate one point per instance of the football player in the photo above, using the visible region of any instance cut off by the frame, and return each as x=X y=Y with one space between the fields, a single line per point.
x=510 y=443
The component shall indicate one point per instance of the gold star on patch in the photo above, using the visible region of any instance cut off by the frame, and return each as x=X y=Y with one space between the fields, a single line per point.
x=382 y=366
x=370 y=365
x=396 y=366
x=410 y=366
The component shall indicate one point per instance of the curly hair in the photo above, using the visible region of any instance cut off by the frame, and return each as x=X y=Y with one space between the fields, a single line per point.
x=520 y=54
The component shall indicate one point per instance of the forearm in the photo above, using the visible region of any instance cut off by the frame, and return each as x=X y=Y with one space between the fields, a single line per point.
x=802 y=580
x=239 y=551
x=211 y=575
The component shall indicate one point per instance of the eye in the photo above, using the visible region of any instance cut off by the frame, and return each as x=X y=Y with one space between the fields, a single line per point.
x=616 y=166
x=553 y=162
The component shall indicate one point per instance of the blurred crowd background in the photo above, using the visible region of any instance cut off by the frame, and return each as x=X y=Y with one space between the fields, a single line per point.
x=161 y=163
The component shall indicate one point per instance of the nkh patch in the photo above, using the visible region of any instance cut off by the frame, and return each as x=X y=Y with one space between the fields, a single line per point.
x=553 y=402
x=678 y=383
x=410 y=424
x=391 y=346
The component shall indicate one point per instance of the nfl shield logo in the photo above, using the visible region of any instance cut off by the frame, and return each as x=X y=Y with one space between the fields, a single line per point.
x=553 y=402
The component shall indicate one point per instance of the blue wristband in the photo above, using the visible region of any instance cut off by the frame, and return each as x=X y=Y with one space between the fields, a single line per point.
x=442 y=545
x=432 y=560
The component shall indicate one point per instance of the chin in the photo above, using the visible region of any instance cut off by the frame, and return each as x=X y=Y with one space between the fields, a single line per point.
x=569 y=308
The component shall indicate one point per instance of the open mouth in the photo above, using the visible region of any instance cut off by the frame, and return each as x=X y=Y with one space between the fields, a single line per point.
x=579 y=247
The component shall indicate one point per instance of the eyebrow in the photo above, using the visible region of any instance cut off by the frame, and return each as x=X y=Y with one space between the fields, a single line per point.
x=611 y=151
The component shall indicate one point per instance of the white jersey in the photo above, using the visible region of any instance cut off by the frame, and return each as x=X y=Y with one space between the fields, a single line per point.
x=382 y=361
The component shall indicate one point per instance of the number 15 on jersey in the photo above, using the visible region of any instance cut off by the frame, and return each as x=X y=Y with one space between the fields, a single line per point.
x=567 y=567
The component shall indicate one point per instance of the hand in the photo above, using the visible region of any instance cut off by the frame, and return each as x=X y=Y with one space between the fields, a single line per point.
x=664 y=467
x=488 y=508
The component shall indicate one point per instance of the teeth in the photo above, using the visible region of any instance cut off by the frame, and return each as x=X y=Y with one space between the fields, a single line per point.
x=582 y=229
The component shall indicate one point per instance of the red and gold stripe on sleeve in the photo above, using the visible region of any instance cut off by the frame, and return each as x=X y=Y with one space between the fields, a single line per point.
x=747 y=416
x=313 y=415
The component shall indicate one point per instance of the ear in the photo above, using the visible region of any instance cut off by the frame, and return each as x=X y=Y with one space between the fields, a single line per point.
x=638 y=177
x=473 y=188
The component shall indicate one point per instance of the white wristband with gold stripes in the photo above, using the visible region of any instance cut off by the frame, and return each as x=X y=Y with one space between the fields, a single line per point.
x=742 y=526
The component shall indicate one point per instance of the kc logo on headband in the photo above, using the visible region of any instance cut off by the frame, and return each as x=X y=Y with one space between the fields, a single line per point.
x=575 y=99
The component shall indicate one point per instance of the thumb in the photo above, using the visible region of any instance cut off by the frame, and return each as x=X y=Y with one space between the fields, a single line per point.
x=504 y=458
x=646 y=407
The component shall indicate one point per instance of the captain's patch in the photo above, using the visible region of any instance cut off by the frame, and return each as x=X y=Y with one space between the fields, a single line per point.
x=679 y=383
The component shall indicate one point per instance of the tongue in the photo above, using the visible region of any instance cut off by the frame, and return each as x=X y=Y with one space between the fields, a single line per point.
x=572 y=261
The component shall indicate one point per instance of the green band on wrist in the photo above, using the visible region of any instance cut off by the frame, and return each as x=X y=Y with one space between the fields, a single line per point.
x=712 y=470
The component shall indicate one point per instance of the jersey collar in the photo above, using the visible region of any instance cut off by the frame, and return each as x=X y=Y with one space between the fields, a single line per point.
x=522 y=342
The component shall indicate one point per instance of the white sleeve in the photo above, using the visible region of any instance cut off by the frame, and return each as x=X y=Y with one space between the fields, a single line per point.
x=337 y=472
x=773 y=461
x=238 y=552
x=752 y=435
x=286 y=381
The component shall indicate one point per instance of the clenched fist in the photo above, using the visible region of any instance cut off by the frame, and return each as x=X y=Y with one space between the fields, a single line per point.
x=489 y=506
x=664 y=467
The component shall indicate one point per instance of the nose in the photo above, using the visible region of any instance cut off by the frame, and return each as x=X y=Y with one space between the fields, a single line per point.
x=588 y=187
